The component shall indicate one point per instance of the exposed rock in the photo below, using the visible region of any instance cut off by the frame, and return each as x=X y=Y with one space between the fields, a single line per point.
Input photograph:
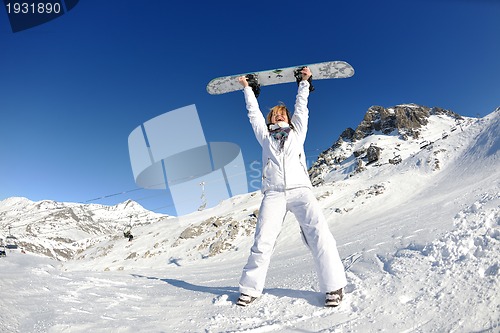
x=373 y=153
x=373 y=190
x=217 y=233
x=360 y=152
x=347 y=134
x=406 y=117
x=359 y=167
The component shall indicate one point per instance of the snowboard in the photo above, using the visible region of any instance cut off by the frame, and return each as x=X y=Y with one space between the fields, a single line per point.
x=320 y=71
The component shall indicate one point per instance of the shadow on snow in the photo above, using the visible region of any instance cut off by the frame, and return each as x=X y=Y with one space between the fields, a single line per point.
x=309 y=296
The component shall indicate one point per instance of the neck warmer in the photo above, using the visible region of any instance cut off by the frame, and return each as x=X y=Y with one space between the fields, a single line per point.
x=279 y=132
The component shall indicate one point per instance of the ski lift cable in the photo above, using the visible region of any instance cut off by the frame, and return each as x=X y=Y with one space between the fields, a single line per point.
x=190 y=177
x=187 y=178
x=139 y=200
x=104 y=207
x=55 y=209
x=29 y=215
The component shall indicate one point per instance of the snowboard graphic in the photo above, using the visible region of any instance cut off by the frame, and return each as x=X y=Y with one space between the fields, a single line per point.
x=320 y=71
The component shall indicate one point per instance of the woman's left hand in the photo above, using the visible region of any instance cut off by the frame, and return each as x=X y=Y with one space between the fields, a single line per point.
x=306 y=73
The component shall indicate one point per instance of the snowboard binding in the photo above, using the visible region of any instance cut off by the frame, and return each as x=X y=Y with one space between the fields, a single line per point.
x=254 y=84
x=298 y=76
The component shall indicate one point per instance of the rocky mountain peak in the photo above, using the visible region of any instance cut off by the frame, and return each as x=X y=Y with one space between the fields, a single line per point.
x=369 y=143
x=406 y=119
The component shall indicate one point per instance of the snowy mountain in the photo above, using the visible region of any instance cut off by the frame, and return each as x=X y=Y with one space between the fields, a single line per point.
x=61 y=230
x=386 y=136
x=414 y=190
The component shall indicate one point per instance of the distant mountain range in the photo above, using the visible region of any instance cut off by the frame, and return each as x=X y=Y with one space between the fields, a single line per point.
x=61 y=230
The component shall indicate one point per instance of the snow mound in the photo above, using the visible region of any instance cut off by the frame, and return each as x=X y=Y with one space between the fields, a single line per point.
x=453 y=274
x=475 y=239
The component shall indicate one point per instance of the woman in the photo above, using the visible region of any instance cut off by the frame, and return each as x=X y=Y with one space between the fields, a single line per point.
x=286 y=187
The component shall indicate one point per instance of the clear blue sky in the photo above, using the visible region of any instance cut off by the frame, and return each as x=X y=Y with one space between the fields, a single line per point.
x=73 y=89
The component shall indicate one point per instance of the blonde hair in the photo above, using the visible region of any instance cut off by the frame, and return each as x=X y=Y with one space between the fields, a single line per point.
x=278 y=108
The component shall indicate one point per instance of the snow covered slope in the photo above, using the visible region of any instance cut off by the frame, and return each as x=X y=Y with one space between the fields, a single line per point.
x=428 y=229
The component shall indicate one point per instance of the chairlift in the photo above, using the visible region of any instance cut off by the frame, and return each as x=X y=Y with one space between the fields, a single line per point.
x=10 y=241
x=127 y=231
x=3 y=252
x=425 y=144
x=396 y=159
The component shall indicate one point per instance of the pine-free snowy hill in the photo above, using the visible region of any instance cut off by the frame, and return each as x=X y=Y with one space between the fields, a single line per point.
x=61 y=230
x=415 y=190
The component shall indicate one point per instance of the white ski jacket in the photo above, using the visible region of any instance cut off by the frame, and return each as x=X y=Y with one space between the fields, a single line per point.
x=283 y=169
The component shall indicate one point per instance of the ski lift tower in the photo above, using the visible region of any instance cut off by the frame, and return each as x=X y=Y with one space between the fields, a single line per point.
x=203 y=198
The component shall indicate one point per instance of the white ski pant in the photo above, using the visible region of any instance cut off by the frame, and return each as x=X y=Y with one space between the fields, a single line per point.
x=302 y=203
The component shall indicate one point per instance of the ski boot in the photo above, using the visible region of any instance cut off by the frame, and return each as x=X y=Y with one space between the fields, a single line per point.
x=334 y=298
x=245 y=300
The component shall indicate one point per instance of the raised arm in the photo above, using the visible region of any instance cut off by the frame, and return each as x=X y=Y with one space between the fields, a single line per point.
x=254 y=113
x=301 y=114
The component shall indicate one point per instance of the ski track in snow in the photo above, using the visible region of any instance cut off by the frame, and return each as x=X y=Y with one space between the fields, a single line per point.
x=430 y=249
